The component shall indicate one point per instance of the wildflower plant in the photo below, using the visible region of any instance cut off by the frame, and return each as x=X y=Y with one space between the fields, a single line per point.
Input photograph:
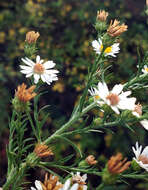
x=119 y=108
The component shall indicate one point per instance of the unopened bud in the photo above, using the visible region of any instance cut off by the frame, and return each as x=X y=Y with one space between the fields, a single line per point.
x=91 y=160
x=102 y=15
x=22 y=97
x=115 y=29
x=31 y=37
x=42 y=151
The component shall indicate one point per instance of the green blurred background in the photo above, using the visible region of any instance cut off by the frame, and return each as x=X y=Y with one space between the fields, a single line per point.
x=66 y=32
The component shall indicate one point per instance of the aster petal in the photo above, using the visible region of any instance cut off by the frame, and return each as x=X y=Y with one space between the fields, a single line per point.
x=74 y=187
x=145 y=151
x=144 y=166
x=135 y=114
x=117 y=89
x=32 y=188
x=84 y=177
x=49 y=64
x=38 y=185
x=144 y=123
x=103 y=90
x=125 y=94
x=28 y=62
x=41 y=61
x=43 y=78
x=91 y=91
x=67 y=184
x=127 y=103
x=78 y=173
x=37 y=59
x=26 y=71
x=36 y=78
x=51 y=71
x=47 y=78
x=29 y=75
x=137 y=150
x=25 y=67
x=97 y=46
x=115 y=109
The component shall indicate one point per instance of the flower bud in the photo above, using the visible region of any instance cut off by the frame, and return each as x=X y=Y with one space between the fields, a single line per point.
x=22 y=97
x=114 y=167
x=102 y=15
x=31 y=37
x=42 y=151
x=115 y=29
x=91 y=160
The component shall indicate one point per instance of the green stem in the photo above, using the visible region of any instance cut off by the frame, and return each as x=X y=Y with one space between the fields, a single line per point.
x=32 y=126
x=71 y=168
x=135 y=79
x=15 y=176
x=70 y=122
x=100 y=187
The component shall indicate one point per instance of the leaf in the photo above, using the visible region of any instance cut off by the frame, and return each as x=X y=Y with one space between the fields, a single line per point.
x=70 y=142
x=43 y=108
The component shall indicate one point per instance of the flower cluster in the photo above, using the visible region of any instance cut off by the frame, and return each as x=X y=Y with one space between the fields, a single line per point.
x=77 y=182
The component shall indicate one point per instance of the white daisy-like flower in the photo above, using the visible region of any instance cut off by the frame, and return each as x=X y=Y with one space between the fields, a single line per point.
x=80 y=180
x=116 y=98
x=39 y=69
x=37 y=185
x=111 y=50
x=141 y=157
x=138 y=112
x=76 y=182
x=145 y=69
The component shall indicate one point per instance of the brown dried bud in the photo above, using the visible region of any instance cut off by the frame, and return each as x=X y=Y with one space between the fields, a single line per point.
x=91 y=160
x=23 y=94
x=42 y=151
x=32 y=36
x=115 y=29
x=51 y=183
x=116 y=165
x=102 y=15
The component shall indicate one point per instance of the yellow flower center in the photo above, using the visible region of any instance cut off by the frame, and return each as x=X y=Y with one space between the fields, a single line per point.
x=146 y=69
x=113 y=98
x=38 y=68
x=97 y=97
x=107 y=50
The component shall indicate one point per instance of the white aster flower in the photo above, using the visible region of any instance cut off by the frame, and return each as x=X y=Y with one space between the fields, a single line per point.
x=76 y=182
x=39 y=69
x=80 y=180
x=116 y=98
x=145 y=69
x=141 y=157
x=111 y=50
x=37 y=185
x=138 y=112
